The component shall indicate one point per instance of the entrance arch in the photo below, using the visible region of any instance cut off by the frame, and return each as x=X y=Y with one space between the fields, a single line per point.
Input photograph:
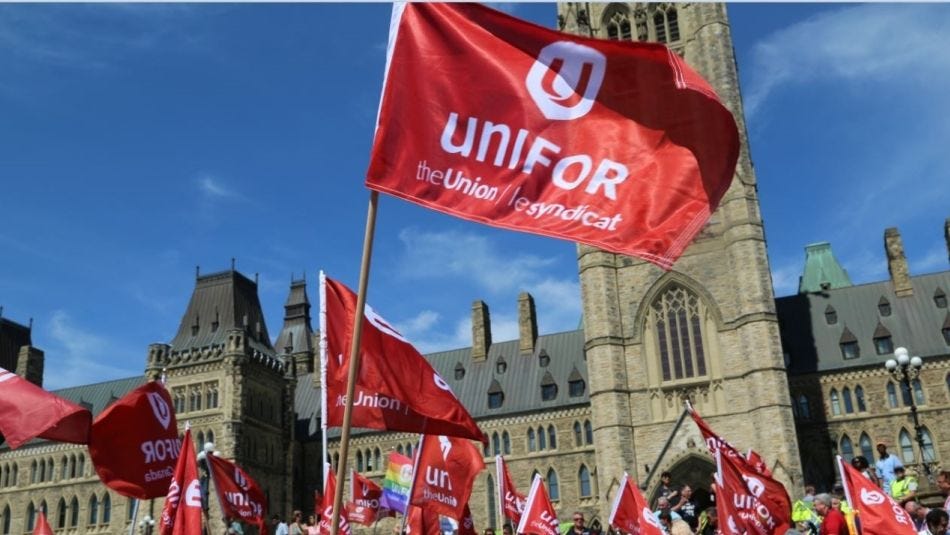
x=693 y=469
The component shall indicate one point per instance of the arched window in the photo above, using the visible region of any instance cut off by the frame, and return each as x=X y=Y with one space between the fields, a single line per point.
x=578 y=438
x=677 y=320
x=200 y=441
x=835 y=403
x=377 y=458
x=531 y=444
x=848 y=402
x=34 y=475
x=554 y=491
x=905 y=394
x=409 y=449
x=907 y=447
x=588 y=433
x=660 y=26
x=359 y=461
x=93 y=510
x=803 y=409
x=399 y=449
x=552 y=437
x=81 y=468
x=919 y=392
x=490 y=492
x=30 y=516
x=583 y=478
x=618 y=26
x=673 y=24
x=495 y=444
x=61 y=514
x=542 y=440
x=63 y=468
x=928 y=453
x=50 y=470
x=106 y=508
x=211 y=436
x=6 y=520
x=891 y=395
x=859 y=397
x=847 y=449
x=506 y=443
x=866 y=449
x=74 y=512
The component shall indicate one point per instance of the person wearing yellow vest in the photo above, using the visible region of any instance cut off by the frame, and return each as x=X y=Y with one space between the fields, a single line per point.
x=904 y=487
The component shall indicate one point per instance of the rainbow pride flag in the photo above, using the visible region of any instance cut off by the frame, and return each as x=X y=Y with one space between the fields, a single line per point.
x=396 y=483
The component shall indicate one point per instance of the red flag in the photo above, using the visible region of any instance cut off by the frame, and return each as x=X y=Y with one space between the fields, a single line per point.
x=27 y=412
x=467 y=523
x=326 y=508
x=42 y=526
x=134 y=443
x=512 y=502
x=364 y=501
x=239 y=495
x=182 y=512
x=539 y=517
x=421 y=521
x=630 y=513
x=758 y=463
x=879 y=513
x=616 y=144
x=317 y=503
x=445 y=470
x=759 y=503
x=713 y=441
x=397 y=389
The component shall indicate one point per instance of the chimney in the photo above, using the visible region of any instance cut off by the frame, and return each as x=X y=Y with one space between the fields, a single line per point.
x=30 y=365
x=481 y=331
x=527 y=323
x=897 y=263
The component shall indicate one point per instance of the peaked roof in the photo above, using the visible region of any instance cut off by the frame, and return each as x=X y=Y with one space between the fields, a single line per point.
x=822 y=270
x=297 y=334
x=220 y=302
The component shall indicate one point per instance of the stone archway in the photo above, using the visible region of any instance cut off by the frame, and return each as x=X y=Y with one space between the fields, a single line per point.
x=693 y=469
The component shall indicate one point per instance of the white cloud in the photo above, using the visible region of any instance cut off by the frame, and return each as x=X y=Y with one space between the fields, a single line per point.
x=214 y=188
x=76 y=356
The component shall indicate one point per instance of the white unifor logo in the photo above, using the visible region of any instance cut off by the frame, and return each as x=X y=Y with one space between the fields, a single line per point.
x=382 y=324
x=445 y=445
x=240 y=480
x=755 y=485
x=871 y=497
x=193 y=494
x=161 y=409
x=565 y=79
x=365 y=489
x=648 y=515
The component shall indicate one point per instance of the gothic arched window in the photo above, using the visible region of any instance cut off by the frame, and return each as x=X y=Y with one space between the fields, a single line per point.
x=891 y=395
x=583 y=478
x=835 y=403
x=866 y=448
x=506 y=443
x=531 y=444
x=928 y=453
x=552 y=437
x=491 y=502
x=554 y=491
x=848 y=402
x=618 y=26
x=588 y=432
x=859 y=397
x=578 y=438
x=847 y=449
x=93 y=510
x=677 y=317
x=495 y=444
x=907 y=447
x=106 y=509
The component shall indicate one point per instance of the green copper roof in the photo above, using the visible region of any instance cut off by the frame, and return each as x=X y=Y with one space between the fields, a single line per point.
x=822 y=270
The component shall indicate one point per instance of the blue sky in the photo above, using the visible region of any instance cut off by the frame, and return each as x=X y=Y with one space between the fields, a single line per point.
x=138 y=141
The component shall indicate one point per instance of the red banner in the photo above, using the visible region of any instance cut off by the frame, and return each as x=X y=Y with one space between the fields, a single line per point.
x=758 y=503
x=616 y=144
x=512 y=502
x=445 y=470
x=539 y=517
x=421 y=521
x=879 y=513
x=182 y=512
x=630 y=513
x=758 y=463
x=326 y=509
x=240 y=496
x=27 y=412
x=397 y=388
x=42 y=526
x=134 y=443
x=364 y=505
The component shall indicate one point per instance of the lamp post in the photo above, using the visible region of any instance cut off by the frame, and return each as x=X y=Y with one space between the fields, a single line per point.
x=147 y=524
x=906 y=369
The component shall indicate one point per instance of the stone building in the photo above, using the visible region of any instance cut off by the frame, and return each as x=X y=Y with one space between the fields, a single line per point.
x=796 y=378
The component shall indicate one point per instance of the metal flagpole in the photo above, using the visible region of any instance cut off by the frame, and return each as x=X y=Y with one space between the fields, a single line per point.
x=135 y=515
x=323 y=376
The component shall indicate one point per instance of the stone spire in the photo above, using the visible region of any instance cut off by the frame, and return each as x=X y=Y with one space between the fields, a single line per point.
x=481 y=331
x=897 y=263
x=527 y=324
x=296 y=337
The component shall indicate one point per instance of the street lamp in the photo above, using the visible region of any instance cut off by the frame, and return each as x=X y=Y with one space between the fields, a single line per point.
x=208 y=449
x=147 y=524
x=905 y=369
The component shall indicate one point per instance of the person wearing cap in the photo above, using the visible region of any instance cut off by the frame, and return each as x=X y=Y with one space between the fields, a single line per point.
x=886 y=465
x=904 y=487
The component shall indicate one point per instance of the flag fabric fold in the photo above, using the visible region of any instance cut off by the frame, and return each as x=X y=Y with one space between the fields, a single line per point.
x=365 y=495
x=879 y=513
x=420 y=521
x=239 y=495
x=397 y=483
x=396 y=389
x=629 y=512
x=539 y=516
x=445 y=471
x=326 y=509
x=512 y=503
x=616 y=144
x=182 y=512
x=134 y=443
x=27 y=412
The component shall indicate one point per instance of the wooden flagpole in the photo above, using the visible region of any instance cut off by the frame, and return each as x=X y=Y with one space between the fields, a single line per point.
x=354 y=359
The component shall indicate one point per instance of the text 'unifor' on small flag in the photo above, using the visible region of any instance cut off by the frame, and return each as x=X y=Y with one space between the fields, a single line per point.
x=616 y=144
x=445 y=471
x=539 y=517
x=630 y=513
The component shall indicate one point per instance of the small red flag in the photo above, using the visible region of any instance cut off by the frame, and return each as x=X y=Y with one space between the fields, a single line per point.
x=364 y=501
x=467 y=523
x=758 y=503
x=445 y=470
x=539 y=517
x=630 y=513
x=326 y=508
x=512 y=502
x=27 y=412
x=397 y=389
x=616 y=144
x=879 y=513
x=239 y=495
x=182 y=512
x=421 y=521
x=134 y=443
x=42 y=526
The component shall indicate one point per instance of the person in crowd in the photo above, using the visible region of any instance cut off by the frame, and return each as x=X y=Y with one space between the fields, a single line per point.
x=832 y=520
x=507 y=529
x=680 y=527
x=686 y=507
x=663 y=506
x=578 y=527
x=313 y=527
x=937 y=520
x=708 y=522
x=886 y=465
x=809 y=493
x=489 y=531
x=667 y=490
x=943 y=483
x=234 y=526
x=918 y=514
x=666 y=521
x=904 y=486
x=296 y=527
x=280 y=528
x=861 y=464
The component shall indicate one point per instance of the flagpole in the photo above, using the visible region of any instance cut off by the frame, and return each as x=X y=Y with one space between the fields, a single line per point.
x=135 y=515
x=412 y=484
x=323 y=376
x=502 y=492
x=354 y=362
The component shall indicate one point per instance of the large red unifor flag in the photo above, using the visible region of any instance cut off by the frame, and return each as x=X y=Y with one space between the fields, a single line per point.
x=879 y=513
x=539 y=517
x=445 y=470
x=182 y=512
x=512 y=503
x=27 y=412
x=752 y=500
x=616 y=144
x=134 y=443
x=397 y=389
x=239 y=495
x=630 y=513
x=42 y=526
x=326 y=509
x=364 y=501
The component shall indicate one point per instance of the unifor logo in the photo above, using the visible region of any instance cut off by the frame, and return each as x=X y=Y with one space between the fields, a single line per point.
x=565 y=79
x=649 y=517
x=871 y=497
x=160 y=408
x=755 y=485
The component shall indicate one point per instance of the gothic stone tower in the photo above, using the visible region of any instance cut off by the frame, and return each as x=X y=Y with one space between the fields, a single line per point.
x=707 y=330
